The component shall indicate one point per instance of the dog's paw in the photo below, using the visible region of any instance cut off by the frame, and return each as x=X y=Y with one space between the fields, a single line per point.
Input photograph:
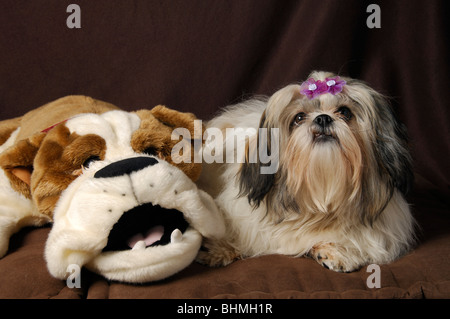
x=217 y=253
x=334 y=257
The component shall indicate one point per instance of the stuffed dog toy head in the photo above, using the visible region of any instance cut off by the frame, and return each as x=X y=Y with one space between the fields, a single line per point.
x=105 y=177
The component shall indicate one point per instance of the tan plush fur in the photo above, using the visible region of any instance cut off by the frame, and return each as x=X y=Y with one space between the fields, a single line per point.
x=28 y=142
x=155 y=133
x=59 y=110
x=40 y=157
x=7 y=127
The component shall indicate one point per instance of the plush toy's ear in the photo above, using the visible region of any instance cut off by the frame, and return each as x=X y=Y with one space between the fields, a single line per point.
x=181 y=120
x=17 y=162
x=174 y=119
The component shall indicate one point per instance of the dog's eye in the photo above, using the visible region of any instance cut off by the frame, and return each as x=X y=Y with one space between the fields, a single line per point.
x=90 y=160
x=299 y=118
x=345 y=113
x=150 y=151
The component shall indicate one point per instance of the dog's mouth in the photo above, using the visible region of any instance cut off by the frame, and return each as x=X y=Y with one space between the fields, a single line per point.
x=323 y=136
x=145 y=226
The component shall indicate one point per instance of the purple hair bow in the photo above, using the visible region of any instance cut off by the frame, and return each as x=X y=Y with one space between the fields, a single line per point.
x=313 y=88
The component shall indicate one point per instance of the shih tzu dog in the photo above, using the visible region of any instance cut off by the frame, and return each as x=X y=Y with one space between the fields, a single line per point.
x=329 y=184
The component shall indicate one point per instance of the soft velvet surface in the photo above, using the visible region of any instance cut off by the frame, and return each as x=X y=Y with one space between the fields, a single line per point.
x=199 y=56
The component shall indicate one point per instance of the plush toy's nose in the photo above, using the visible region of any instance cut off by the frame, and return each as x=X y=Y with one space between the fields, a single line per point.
x=126 y=166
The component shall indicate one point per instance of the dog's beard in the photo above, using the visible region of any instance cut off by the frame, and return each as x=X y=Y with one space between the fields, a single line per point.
x=323 y=172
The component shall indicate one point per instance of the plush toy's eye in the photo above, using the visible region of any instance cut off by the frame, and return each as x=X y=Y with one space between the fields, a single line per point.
x=150 y=151
x=299 y=117
x=345 y=113
x=90 y=160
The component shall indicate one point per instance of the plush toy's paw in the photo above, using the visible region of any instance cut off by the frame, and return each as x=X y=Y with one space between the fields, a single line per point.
x=334 y=257
x=4 y=235
x=3 y=245
x=217 y=253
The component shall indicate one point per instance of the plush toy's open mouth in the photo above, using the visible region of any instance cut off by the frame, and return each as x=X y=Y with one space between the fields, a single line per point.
x=144 y=226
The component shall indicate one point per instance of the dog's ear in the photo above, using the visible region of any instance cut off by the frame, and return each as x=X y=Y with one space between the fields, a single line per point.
x=394 y=163
x=391 y=163
x=257 y=177
x=392 y=147
x=389 y=136
x=17 y=162
x=255 y=180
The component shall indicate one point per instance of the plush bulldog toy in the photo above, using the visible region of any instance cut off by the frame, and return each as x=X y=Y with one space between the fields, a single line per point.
x=106 y=179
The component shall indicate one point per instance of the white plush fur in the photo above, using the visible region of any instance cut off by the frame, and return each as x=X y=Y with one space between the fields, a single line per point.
x=88 y=209
x=158 y=263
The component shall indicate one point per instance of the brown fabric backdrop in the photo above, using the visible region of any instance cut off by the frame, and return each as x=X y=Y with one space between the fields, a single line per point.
x=199 y=56
x=202 y=55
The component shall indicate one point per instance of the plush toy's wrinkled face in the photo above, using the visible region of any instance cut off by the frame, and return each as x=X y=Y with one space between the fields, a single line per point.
x=68 y=150
x=120 y=208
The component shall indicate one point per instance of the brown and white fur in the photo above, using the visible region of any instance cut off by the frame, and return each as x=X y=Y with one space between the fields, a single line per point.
x=118 y=203
x=337 y=195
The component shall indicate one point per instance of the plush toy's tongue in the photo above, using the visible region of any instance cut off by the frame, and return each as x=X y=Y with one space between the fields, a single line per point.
x=151 y=236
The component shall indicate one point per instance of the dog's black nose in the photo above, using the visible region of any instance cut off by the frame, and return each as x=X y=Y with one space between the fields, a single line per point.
x=323 y=120
x=126 y=166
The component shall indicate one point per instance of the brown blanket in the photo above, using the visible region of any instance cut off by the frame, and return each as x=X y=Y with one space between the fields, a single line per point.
x=199 y=56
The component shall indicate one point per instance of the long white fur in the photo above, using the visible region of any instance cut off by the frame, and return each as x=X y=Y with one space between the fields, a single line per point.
x=258 y=231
